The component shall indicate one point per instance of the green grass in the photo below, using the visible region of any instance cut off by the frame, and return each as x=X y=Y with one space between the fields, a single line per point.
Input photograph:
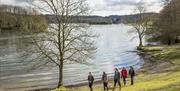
x=149 y=48
x=176 y=61
x=172 y=87
x=62 y=88
x=164 y=53
x=161 y=81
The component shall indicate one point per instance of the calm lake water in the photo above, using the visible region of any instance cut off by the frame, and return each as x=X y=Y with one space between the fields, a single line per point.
x=114 y=50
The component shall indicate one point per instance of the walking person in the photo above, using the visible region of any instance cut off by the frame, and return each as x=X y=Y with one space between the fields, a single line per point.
x=117 y=78
x=132 y=74
x=105 y=81
x=124 y=75
x=90 y=81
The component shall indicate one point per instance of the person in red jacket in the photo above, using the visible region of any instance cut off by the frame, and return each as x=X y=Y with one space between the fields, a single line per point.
x=124 y=75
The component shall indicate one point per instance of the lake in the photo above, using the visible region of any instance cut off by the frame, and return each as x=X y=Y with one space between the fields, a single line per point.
x=114 y=46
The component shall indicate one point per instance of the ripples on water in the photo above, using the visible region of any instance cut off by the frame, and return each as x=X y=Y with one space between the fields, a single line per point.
x=113 y=45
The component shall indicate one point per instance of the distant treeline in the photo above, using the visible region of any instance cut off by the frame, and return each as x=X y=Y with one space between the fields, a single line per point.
x=19 y=18
x=14 y=17
x=113 y=19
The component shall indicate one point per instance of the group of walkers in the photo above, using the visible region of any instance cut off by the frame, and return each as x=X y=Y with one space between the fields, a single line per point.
x=117 y=76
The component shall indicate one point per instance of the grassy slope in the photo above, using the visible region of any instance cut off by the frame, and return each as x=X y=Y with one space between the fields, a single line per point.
x=167 y=78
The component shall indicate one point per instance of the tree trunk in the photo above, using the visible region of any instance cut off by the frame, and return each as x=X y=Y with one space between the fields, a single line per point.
x=176 y=40
x=169 y=42
x=60 y=83
x=140 y=42
x=0 y=27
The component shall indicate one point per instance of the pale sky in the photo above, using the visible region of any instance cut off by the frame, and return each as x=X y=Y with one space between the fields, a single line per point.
x=107 y=7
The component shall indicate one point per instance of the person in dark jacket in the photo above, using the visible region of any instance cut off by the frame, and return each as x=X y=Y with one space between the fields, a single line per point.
x=90 y=81
x=117 y=78
x=132 y=74
x=124 y=75
x=105 y=81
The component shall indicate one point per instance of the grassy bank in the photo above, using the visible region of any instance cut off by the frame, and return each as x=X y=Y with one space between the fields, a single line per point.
x=161 y=71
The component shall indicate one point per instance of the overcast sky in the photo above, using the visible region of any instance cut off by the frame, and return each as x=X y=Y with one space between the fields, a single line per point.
x=107 y=7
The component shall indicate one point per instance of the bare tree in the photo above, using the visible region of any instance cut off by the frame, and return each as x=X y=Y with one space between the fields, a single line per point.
x=140 y=24
x=64 y=42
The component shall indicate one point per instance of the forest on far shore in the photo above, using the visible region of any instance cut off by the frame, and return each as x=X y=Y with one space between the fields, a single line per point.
x=23 y=19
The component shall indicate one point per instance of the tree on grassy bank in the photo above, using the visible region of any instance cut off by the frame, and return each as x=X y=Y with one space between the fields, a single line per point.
x=141 y=24
x=64 y=42
x=166 y=27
